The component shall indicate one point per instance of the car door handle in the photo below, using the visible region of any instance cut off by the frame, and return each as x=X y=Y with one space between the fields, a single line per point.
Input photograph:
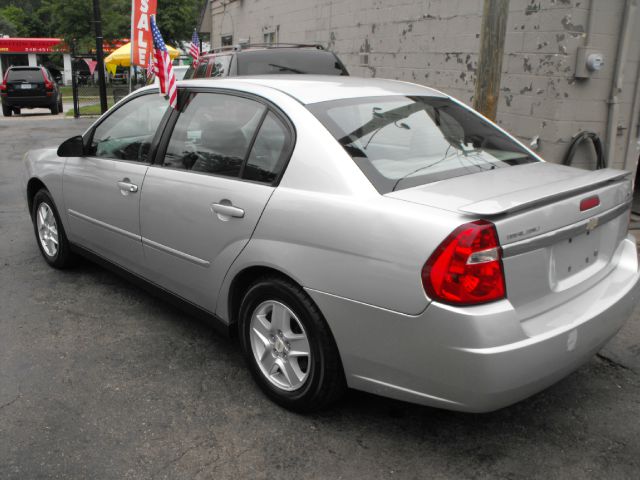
x=227 y=210
x=127 y=187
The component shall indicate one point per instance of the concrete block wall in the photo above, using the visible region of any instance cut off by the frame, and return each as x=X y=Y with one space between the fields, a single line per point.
x=436 y=42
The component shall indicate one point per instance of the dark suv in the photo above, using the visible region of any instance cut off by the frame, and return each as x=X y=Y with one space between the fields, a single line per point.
x=29 y=87
x=264 y=59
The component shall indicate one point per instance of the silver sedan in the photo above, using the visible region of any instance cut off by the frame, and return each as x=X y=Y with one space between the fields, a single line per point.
x=352 y=232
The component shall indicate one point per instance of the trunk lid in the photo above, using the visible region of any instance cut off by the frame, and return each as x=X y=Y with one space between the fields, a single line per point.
x=552 y=250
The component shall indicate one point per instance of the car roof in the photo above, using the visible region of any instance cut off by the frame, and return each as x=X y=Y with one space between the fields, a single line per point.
x=309 y=89
x=265 y=47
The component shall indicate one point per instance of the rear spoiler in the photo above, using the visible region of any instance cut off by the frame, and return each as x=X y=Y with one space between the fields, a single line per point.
x=543 y=194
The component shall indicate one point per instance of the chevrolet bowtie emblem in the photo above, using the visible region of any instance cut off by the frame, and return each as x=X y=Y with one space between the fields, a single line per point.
x=592 y=224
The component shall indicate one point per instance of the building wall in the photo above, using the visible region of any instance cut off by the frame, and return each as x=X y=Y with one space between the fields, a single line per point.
x=436 y=43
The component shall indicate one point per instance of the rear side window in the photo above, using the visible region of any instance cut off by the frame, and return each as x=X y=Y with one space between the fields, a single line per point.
x=288 y=61
x=400 y=142
x=32 y=75
x=269 y=151
x=213 y=134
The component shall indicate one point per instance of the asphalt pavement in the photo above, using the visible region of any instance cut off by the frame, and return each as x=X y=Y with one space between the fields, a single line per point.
x=100 y=380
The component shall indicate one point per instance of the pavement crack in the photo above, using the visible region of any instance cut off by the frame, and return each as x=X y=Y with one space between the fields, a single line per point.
x=179 y=457
x=11 y=402
x=613 y=363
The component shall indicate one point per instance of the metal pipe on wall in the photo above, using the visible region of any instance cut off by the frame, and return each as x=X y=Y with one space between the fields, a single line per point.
x=634 y=126
x=616 y=82
x=590 y=23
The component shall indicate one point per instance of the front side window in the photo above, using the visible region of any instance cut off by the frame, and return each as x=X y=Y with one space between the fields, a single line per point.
x=201 y=71
x=127 y=133
x=213 y=134
x=400 y=142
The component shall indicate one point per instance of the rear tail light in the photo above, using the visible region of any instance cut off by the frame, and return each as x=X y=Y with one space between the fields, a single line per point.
x=47 y=84
x=3 y=85
x=466 y=269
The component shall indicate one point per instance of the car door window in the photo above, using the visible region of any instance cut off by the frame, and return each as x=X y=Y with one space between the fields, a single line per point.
x=213 y=133
x=126 y=134
x=201 y=71
x=269 y=151
x=220 y=66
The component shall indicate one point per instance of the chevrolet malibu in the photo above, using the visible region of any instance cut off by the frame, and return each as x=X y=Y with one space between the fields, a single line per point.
x=359 y=233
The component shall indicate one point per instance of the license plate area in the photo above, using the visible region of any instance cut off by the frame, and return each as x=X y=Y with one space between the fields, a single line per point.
x=575 y=257
x=26 y=86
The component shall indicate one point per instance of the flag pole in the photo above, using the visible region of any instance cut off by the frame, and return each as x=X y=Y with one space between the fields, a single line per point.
x=97 y=22
x=131 y=43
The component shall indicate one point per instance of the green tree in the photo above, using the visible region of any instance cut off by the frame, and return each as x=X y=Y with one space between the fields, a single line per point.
x=73 y=19
x=7 y=27
x=177 y=19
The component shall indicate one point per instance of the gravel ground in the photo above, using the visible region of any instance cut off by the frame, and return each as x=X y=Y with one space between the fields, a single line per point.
x=100 y=380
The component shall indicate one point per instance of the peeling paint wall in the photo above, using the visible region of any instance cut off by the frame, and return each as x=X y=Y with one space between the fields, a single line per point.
x=436 y=43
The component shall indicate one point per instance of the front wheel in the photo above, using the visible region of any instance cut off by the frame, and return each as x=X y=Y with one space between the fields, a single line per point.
x=288 y=346
x=50 y=234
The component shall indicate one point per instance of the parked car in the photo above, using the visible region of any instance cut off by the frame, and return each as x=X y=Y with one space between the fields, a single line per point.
x=265 y=59
x=178 y=70
x=353 y=232
x=29 y=87
x=121 y=75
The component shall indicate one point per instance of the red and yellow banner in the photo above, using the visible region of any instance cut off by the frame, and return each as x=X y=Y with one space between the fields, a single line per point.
x=141 y=40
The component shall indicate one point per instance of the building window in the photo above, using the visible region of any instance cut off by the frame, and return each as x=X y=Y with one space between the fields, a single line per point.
x=269 y=37
x=226 y=40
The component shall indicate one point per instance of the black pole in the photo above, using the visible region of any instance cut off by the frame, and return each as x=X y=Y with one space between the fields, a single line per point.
x=100 y=55
x=74 y=82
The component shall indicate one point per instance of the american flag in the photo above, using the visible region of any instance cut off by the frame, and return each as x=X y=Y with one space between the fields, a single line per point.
x=162 y=66
x=150 y=65
x=194 y=49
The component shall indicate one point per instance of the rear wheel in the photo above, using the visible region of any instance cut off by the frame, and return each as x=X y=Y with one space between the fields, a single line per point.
x=60 y=106
x=50 y=234
x=54 y=109
x=288 y=346
x=6 y=111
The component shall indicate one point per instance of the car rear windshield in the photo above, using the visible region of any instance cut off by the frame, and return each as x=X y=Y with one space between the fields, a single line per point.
x=400 y=142
x=25 y=75
x=282 y=60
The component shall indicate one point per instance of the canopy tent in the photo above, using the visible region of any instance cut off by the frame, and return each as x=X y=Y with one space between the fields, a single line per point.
x=122 y=57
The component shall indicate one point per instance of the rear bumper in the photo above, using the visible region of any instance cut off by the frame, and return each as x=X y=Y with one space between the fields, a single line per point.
x=29 y=102
x=478 y=359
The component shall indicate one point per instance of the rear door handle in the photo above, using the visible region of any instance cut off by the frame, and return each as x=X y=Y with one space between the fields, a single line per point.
x=126 y=187
x=227 y=210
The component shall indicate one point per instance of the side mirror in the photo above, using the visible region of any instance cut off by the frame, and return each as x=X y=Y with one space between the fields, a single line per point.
x=73 y=147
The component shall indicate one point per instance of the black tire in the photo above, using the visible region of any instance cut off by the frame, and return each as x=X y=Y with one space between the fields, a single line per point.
x=63 y=257
x=6 y=111
x=325 y=382
x=17 y=111
x=60 y=110
x=54 y=109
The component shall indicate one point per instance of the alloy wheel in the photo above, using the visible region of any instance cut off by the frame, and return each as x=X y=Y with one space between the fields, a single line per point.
x=47 y=229
x=280 y=345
